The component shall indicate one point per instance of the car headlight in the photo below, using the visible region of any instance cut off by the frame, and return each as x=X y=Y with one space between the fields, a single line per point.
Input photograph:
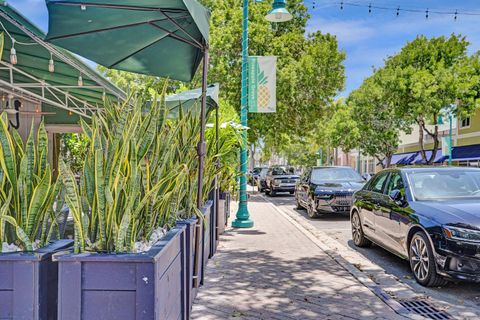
x=463 y=234
x=277 y=182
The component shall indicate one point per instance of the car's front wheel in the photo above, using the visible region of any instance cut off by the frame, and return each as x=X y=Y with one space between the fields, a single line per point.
x=357 y=232
x=311 y=210
x=422 y=261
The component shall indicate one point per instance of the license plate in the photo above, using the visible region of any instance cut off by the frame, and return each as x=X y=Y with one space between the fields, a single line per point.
x=343 y=202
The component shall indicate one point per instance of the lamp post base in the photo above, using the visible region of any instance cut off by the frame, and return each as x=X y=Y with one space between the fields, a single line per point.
x=242 y=223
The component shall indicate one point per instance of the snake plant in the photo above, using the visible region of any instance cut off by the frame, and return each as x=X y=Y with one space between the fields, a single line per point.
x=138 y=175
x=27 y=188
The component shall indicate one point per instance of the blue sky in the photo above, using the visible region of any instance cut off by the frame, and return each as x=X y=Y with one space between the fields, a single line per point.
x=366 y=38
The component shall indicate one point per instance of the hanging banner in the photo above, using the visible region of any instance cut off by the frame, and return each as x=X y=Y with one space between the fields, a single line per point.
x=262 y=84
x=446 y=146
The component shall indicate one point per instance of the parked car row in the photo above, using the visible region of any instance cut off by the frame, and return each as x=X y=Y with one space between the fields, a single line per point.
x=274 y=180
x=429 y=216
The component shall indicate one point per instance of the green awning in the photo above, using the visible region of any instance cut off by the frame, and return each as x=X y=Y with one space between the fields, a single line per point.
x=192 y=100
x=33 y=56
x=162 y=38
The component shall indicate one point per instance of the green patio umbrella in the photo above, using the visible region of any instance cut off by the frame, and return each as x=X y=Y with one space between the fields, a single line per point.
x=166 y=38
x=163 y=38
x=191 y=99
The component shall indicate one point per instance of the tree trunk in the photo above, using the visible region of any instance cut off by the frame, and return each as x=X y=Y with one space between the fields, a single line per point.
x=420 y=140
x=388 y=160
x=381 y=160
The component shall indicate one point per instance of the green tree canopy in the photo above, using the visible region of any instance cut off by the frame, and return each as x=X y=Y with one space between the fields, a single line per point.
x=309 y=72
x=429 y=76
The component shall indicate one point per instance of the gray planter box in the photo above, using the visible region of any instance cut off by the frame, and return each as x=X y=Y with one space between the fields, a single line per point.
x=28 y=283
x=189 y=291
x=207 y=211
x=223 y=212
x=150 y=285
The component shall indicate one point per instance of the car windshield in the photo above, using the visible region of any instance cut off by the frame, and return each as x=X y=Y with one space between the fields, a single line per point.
x=445 y=184
x=335 y=174
x=279 y=172
x=256 y=170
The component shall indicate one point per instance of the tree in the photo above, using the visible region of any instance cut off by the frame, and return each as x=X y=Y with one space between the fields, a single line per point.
x=377 y=123
x=309 y=72
x=428 y=76
x=341 y=129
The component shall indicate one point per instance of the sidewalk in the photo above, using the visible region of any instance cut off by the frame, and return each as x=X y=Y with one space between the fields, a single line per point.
x=273 y=271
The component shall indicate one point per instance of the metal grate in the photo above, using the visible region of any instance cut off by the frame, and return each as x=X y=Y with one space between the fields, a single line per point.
x=425 y=309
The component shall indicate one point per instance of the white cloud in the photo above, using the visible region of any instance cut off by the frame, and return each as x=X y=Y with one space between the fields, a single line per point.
x=347 y=31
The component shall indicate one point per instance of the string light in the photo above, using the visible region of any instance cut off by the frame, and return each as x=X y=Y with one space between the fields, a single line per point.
x=13 y=53
x=51 y=64
x=454 y=13
x=80 y=81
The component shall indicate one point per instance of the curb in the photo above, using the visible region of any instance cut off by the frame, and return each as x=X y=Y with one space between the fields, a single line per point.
x=310 y=233
x=323 y=240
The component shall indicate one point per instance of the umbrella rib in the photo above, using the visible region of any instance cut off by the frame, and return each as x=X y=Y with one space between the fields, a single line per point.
x=73 y=35
x=184 y=31
x=176 y=36
x=137 y=51
x=117 y=6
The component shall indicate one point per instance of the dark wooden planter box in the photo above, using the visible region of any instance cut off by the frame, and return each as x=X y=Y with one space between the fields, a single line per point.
x=150 y=285
x=207 y=211
x=223 y=212
x=28 y=283
x=190 y=292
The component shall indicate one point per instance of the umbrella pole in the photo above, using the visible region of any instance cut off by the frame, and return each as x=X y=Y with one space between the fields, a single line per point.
x=217 y=181
x=201 y=162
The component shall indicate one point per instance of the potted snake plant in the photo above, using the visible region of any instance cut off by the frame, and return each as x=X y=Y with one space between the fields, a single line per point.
x=28 y=222
x=132 y=212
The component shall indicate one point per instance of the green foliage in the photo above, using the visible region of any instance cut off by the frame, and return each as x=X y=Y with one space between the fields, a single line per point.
x=378 y=124
x=341 y=129
x=73 y=147
x=139 y=174
x=309 y=73
x=426 y=77
x=27 y=188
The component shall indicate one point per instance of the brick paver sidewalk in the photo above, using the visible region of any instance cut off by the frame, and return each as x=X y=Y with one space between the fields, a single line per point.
x=273 y=271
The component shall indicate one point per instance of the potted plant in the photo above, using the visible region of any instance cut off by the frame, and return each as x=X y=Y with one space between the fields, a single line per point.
x=28 y=221
x=132 y=259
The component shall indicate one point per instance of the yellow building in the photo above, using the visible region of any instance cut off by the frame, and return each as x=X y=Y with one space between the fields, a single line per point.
x=465 y=141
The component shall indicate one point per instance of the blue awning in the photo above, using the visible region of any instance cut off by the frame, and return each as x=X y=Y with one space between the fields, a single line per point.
x=466 y=153
x=439 y=157
x=403 y=158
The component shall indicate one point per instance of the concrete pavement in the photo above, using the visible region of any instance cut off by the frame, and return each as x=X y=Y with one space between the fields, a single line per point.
x=274 y=271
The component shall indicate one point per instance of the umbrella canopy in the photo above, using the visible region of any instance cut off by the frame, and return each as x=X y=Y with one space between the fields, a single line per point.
x=163 y=38
x=191 y=100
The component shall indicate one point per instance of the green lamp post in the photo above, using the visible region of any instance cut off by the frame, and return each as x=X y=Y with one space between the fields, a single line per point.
x=278 y=13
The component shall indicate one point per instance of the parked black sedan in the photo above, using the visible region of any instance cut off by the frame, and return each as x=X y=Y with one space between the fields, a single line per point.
x=323 y=190
x=430 y=216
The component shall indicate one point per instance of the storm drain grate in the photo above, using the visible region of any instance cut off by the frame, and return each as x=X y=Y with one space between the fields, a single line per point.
x=425 y=309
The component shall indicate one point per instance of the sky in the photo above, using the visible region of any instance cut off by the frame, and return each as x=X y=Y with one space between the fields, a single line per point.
x=366 y=38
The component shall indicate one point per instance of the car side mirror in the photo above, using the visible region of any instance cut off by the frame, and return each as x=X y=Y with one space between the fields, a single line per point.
x=396 y=195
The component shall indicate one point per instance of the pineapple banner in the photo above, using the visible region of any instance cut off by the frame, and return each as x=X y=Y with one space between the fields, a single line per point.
x=262 y=84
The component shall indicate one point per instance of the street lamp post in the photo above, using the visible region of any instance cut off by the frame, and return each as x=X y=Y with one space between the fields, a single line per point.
x=278 y=14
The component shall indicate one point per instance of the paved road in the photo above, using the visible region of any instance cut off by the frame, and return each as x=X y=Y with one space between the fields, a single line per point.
x=338 y=227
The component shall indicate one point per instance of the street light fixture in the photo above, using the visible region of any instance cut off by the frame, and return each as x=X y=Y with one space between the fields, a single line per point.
x=278 y=14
